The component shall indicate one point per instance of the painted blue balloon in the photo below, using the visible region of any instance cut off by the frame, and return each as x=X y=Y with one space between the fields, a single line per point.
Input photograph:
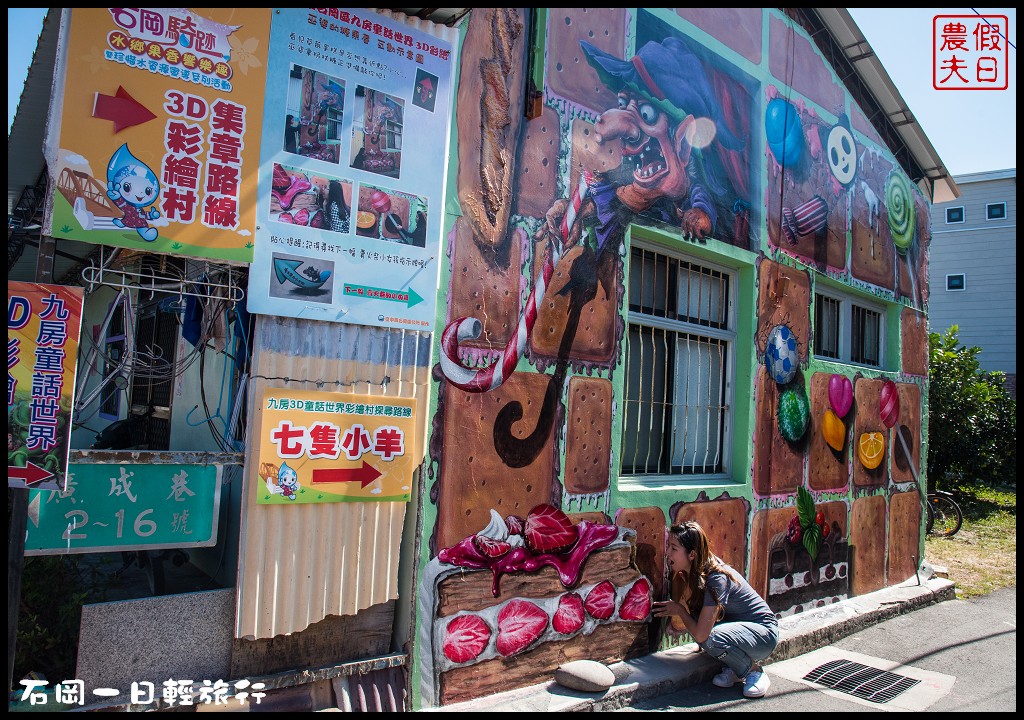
x=784 y=132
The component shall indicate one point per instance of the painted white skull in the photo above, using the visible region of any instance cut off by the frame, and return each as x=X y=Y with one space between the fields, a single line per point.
x=842 y=154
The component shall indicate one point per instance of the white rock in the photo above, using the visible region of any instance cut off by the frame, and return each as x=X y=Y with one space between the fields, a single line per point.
x=585 y=675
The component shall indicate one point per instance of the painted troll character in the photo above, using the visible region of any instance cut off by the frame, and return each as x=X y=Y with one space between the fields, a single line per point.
x=681 y=163
x=133 y=188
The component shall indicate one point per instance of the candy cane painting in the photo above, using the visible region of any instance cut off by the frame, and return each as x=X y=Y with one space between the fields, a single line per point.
x=468 y=328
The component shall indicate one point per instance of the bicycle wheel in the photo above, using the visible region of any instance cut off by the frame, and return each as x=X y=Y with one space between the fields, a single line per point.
x=929 y=518
x=947 y=516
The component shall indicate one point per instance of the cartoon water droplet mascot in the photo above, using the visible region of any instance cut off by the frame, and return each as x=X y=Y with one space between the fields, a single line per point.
x=134 y=188
x=288 y=481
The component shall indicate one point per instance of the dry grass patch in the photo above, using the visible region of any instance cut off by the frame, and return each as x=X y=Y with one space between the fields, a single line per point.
x=982 y=557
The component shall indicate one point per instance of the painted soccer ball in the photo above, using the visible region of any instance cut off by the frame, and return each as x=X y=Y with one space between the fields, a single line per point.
x=780 y=355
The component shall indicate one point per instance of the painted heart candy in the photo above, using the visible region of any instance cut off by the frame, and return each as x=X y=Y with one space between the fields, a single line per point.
x=889 y=404
x=840 y=394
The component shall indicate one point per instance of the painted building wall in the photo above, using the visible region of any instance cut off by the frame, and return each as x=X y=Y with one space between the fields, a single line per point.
x=984 y=252
x=600 y=157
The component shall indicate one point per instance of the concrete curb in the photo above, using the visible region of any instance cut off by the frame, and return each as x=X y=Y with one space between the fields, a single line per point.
x=671 y=670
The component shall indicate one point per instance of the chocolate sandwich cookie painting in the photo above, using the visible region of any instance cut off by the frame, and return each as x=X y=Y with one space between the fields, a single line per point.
x=650 y=231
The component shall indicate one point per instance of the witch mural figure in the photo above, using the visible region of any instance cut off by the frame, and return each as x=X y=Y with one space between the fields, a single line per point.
x=134 y=189
x=685 y=163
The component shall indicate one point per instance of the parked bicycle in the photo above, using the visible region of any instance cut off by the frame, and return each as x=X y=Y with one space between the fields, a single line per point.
x=944 y=516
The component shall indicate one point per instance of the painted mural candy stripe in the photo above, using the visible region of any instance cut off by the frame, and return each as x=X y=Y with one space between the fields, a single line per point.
x=467 y=328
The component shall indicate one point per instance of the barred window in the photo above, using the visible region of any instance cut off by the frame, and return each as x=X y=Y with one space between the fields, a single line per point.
x=847 y=329
x=678 y=366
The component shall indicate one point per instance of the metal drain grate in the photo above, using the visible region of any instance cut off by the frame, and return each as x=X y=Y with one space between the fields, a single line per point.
x=862 y=681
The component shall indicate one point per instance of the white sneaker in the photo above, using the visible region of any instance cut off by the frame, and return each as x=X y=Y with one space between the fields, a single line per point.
x=726 y=678
x=756 y=684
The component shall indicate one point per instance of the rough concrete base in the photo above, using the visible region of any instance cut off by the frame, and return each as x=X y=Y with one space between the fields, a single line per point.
x=184 y=636
x=666 y=672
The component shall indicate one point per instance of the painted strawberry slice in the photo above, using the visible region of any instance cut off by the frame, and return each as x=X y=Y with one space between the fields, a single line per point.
x=549 y=530
x=600 y=602
x=515 y=524
x=636 y=605
x=465 y=638
x=569 y=616
x=490 y=547
x=520 y=623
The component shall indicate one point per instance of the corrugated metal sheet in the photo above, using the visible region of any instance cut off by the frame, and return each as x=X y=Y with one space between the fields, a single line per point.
x=377 y=691
x=298 y=564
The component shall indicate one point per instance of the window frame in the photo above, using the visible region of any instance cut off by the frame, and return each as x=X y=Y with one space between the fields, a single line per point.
x=963 y=215
x=700 y=331
x=847 y=302
x=988 y=210
x=956 y=289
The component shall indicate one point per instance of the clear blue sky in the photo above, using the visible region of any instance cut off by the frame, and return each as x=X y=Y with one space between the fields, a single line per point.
x=972 y=131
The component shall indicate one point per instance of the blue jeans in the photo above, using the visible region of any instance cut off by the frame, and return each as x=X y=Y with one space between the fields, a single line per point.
x=741 y=644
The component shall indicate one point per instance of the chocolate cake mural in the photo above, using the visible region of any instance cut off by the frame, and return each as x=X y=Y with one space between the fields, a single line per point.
x=583 y=134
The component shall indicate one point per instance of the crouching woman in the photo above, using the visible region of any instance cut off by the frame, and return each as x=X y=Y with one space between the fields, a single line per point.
x=720 y=610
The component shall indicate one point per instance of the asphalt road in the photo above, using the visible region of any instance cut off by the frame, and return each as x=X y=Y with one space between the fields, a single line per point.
x=964 y=652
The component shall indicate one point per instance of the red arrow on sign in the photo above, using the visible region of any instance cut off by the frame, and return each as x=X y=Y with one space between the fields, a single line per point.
x=123 y=109
x=31 y=474
x=365 y=475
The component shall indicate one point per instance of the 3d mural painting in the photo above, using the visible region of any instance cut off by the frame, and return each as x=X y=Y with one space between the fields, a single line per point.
x=639 y=148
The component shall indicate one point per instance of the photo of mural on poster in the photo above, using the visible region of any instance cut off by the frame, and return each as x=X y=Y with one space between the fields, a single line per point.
x=392 y=216
x=314 y=113
x=156 y=146
x=377 y=133
x=300 y=278
x=352 y=170
x=299 y=197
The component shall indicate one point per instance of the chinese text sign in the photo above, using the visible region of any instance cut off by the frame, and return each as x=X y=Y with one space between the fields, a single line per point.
x=43 y=327
x=159 y=132
x=126 y=507
x=317 y=447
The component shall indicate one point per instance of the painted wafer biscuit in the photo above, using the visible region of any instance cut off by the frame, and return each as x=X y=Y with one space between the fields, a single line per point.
x=737 y=28
x=904 y=536
x=908 y=423
x=724 y=521
x=474 y=478
x=914 y=342
x=588 y=436
x=483 y=289
x=599 y=518
x=649 y=524
x=873 y=255
x=867 y=539
x=867 y=397
x=596 y=334
x=783 y=298
x=568 y=73
x=537 y=168
x=589 y=154
x=778 y=465
x=827 y=469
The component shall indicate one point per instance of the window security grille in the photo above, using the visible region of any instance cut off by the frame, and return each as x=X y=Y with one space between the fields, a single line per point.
x=677 y=366
x=865 y=339
x=826 y=326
